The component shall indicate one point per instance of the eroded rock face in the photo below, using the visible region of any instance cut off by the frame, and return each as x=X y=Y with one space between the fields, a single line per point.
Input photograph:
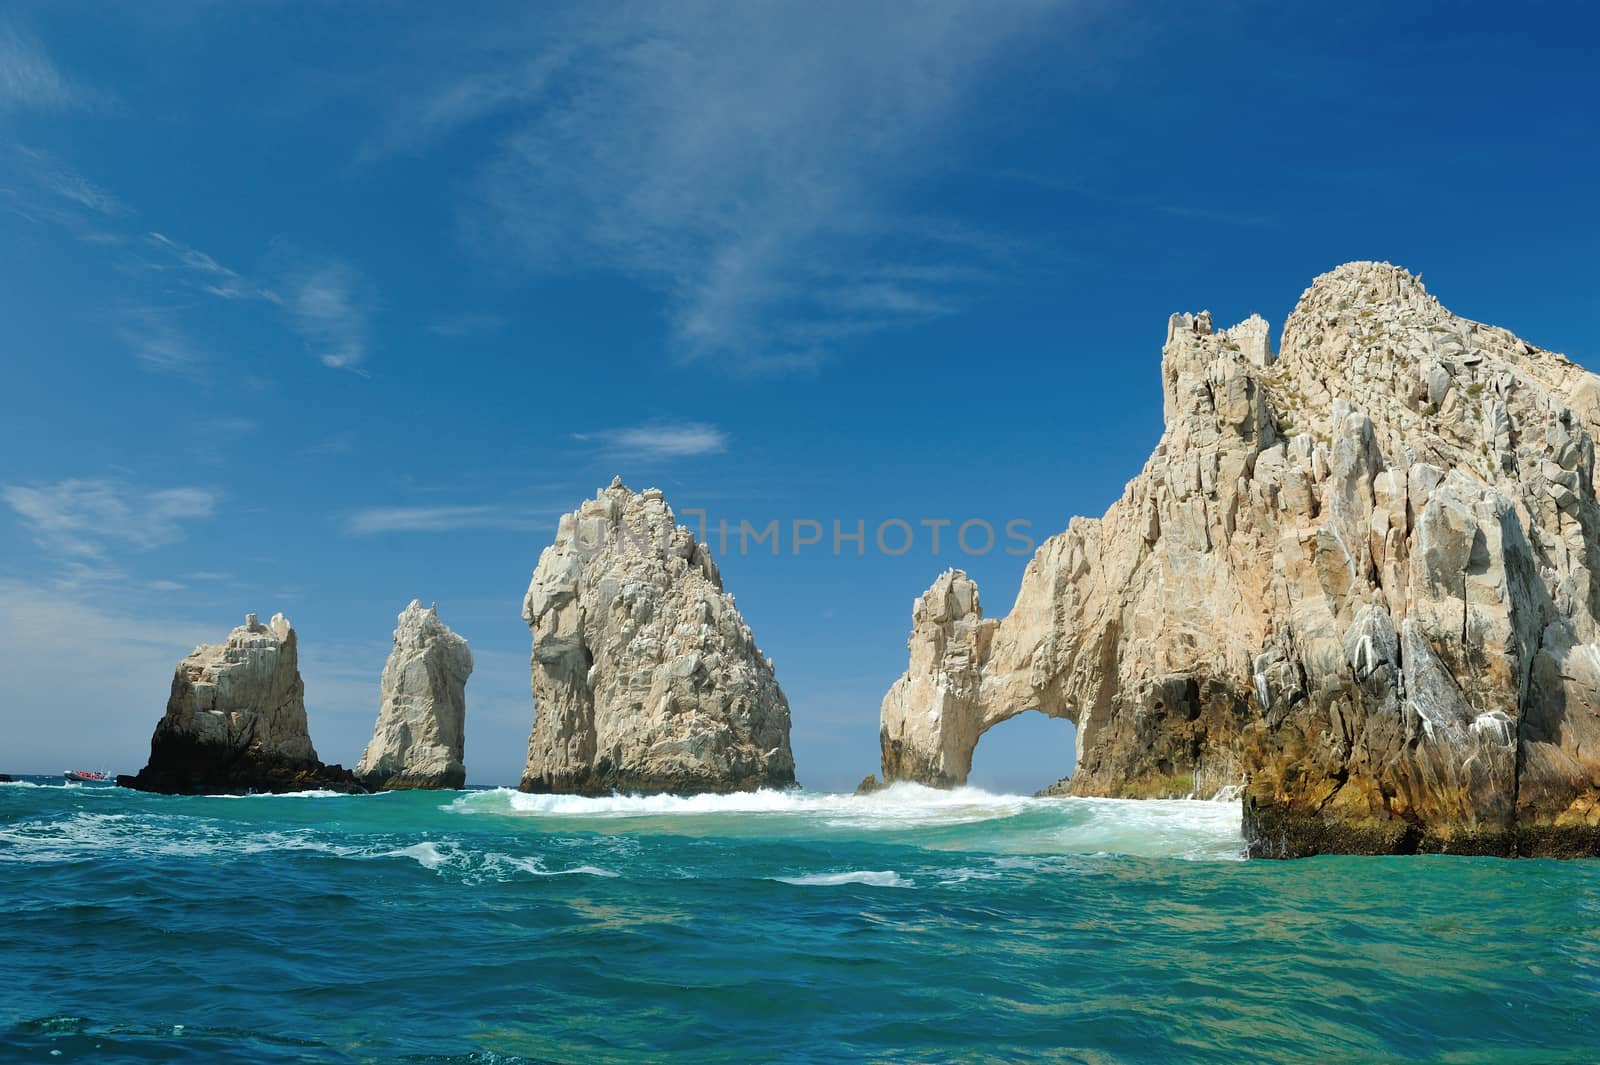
x=419 y=740
x=645 y=677
x=236 y=721
x=1359 y=576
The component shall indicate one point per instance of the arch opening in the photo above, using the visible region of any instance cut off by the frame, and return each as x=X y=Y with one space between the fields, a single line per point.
x=1023 y=754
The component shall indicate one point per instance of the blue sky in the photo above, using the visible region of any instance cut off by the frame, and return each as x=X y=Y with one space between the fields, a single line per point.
x=322 y=308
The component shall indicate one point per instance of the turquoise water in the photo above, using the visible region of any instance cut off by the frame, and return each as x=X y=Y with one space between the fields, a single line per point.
x=908 y=926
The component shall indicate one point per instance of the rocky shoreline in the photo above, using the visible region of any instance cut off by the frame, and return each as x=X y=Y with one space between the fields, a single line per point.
x=1357 y=582
x=1362 y=577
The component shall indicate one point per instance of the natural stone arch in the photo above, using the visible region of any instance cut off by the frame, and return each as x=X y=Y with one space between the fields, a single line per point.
x=1029 y=751
x=934 y=716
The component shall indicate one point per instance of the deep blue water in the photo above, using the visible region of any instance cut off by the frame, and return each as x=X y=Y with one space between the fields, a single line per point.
x=907 y=926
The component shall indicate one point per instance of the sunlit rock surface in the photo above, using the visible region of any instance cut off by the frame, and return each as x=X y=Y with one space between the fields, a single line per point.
x=645 y=676
x=1358 y=575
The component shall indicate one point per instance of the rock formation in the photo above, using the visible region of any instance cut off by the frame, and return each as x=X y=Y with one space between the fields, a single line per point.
x=236 y=721
x=645 y=677
x=418 y=740
x=1360 y=576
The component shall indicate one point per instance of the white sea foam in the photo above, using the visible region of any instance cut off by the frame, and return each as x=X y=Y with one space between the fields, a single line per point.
x=870 y=878
x=958 y=819
x=901 y=804
x=314 y=793
x=536 y=867
x=426 y=854
x=83 y=836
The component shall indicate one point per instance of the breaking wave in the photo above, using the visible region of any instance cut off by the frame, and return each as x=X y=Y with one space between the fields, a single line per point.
x=956 y=819
x=868 y=878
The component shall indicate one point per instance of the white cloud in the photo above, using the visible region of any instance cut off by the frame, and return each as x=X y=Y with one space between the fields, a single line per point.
x=330 y=305
x=81 y=518
x=745 y=160
x=28 y=79
x=661 y=441
x=377 y=520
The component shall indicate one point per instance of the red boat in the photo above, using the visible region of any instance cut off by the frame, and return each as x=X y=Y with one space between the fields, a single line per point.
x=84 y=776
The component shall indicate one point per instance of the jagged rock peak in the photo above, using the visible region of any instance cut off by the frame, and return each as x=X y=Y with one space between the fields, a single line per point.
x=645 y=676
x=420 y=737
x=236 y=720
x=1361 y=577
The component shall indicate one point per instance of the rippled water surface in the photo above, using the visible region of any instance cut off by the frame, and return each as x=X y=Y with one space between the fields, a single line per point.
x=907 y=926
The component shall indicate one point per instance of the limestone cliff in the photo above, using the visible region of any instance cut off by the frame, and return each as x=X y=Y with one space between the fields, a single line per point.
x=1359 y=576
x=236 y=721
x=419 y=739
x=645 y=677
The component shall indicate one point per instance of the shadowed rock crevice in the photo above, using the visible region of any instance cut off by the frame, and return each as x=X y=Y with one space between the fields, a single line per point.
x=1360 y=576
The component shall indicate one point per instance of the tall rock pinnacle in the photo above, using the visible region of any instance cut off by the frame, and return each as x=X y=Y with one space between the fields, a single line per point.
x=420 y=736
x=645 y=677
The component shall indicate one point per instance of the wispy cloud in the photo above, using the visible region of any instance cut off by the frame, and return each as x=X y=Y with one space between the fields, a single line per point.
x=159 y=345
x=668 y=440
x=28 y=79
x=208 y=275
x=327 y=302
x=466 y=95
x=748 y=161
x=82 y=518
x=373 y=521
x=50 y=173
x=330 y=304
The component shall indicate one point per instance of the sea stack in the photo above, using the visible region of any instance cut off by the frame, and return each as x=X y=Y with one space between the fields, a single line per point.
x=236 y=721
x=1362 y=577
x=645 y=677
x=420 y=735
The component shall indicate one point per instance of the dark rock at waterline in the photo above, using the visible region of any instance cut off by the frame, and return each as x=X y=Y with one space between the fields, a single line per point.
x=180 y=765
x=869 y=784
x=5 y=779
x=236 y=722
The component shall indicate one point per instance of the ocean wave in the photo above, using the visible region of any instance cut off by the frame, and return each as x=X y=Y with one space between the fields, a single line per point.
x=448 y=856
x=958 y=819
x=61 y=785
x=313 y=793
x=902 y=803
x=868 y=878
x=89 y=837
